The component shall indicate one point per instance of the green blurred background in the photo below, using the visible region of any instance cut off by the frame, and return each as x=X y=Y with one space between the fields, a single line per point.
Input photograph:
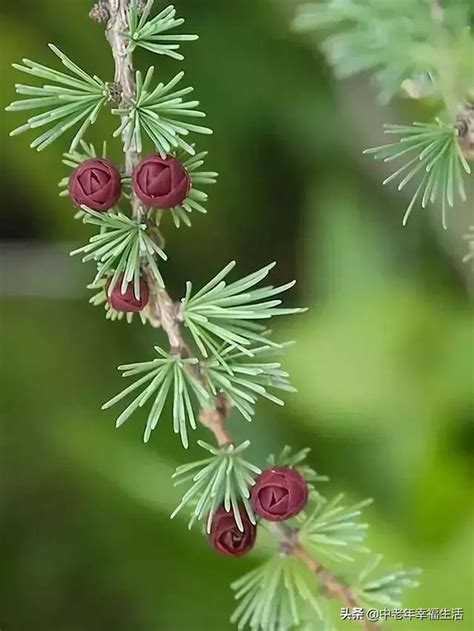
x=383 y=361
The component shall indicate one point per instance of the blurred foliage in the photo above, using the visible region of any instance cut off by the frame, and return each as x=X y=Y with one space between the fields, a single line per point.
x=383 y=361
x=430 y=48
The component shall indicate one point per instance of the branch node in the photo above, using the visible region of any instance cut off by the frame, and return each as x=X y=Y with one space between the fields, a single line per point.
x=465 y=127
x=100 y=12
x=114 y=93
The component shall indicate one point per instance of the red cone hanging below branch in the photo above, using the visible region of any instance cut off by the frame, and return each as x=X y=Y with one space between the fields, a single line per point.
x=226 y=537
x=128 y=302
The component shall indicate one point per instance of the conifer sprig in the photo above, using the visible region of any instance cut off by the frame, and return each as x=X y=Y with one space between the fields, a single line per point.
x=224 y=478
x=334 y=530
x=222 y=312
x=387 y=588
x=150 y=33
x=122 y=247
x=375 y=35
x=153 y=113
x=426 y=55
x=163 y=376
x=280 y=594
x=244 y=379
x=431 y=156
x=75 y=98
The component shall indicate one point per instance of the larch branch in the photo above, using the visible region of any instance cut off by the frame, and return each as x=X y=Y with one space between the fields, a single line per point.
x=164 y=312
x=331 y=585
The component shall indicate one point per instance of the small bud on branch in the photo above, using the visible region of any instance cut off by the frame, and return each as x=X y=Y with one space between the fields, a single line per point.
x=465 y=127
x=100 y=12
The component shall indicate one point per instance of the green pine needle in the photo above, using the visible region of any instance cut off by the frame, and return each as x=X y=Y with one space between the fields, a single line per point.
x=385 y=590
x=279 y=595
x=163 y=377
x=226 y=313
x=223 y=479
x=244 y=379
x=333 y=529
x=122 y=246
x=153 y=113
x=286 y=458
x=431 y=155
x=75 y=98
x=74 y=158
x=150 y=33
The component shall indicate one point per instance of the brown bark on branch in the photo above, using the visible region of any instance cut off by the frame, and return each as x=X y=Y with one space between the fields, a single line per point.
x=331 y=585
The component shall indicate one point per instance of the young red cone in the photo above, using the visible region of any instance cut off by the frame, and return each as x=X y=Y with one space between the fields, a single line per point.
x=127 y=302
x=161 y=182
x=225 y=535
x=279 y=493
x=95 y=183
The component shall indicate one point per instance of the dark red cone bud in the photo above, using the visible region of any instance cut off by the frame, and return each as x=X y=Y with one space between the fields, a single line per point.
x=96 y=184
x=279 y=493
x=161 y=182
x=225 y=535
x=127 y=302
